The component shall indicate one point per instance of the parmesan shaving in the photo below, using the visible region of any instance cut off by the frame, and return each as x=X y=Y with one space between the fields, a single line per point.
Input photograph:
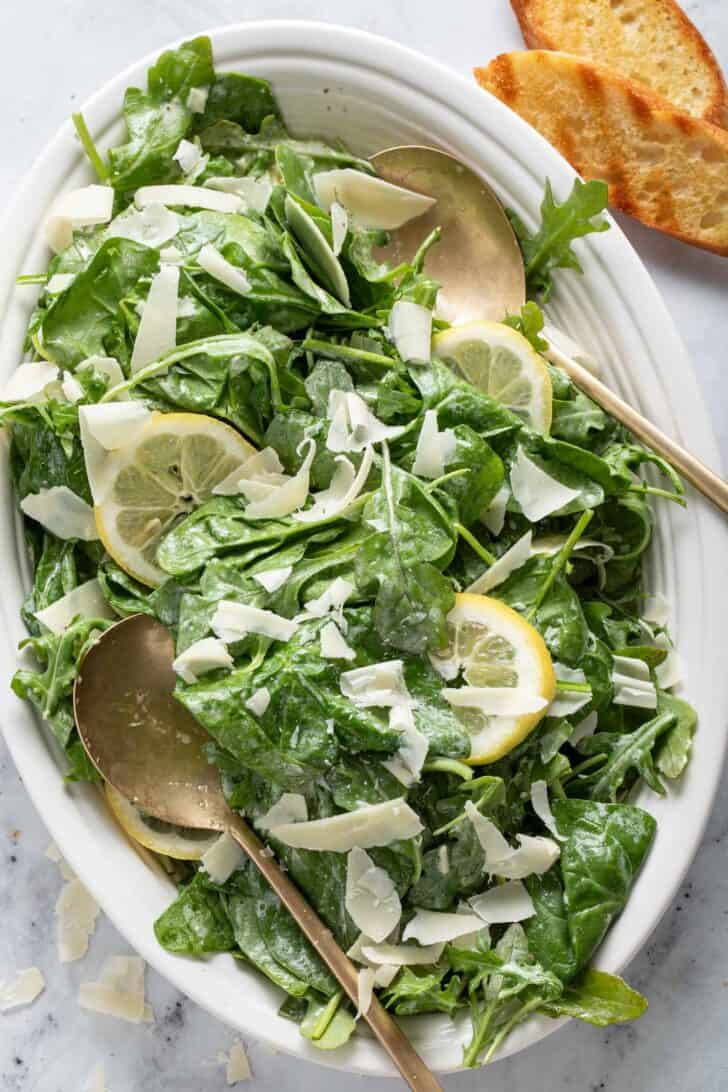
x=504 y=904
x=286 y=498
x=254 y=193
x=197 y=99
x=28 y=381
x=410 y=329
x=380 y=684
x=632 y=683
x=494 y=516
x=157 y=333
x=205 y=655
x=190 y=158
x=237 y=1066
x=197 y=197
x=273 y=579
x=402 y=955
x=371 y=898
x=343 y=490
x=433 y=927
x=86 y=600
x=353 y=426
x=370 y=201
x=501 y=569
x=119 y=990
x=406 y=765
x=95 y=1082
x=62 y=512
x=258 y=702
x=538 y=494
x=434 y=448
x=656 y=609
x=22 y=990
x=585 y=727
x=154 y=226
x=76 y=913
x=533 y=855
x=108 y=366
x=71 y=388
x=289 y=808
x=565 y=703
x=542 y=807
x=115 y=424
x=365 y=990
x=372 y=825
x=212 y=261
x=222 y=858
x=85 y=207
x=339 y=226
x=508 y=701
x=333 y=645
x=331 y=601
x=233 y=621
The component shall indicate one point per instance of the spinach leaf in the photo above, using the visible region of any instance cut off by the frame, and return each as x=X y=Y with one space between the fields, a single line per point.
x=598 y=998
x=196 y=922
x=242 y=912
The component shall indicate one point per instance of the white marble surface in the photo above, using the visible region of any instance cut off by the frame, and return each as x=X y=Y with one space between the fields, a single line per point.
x=55 y=54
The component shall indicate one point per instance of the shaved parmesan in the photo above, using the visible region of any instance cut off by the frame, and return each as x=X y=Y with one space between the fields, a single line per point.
x=197 y=99
x=631 y=667
x=339 y=226
x=372 y=825
x=86 y=600
x=632 y=683
x=197 y=197
x=365 y=990
x=504 y=904
x=71 y=388
x=157 y=333
x=353 y=426
x=410 y=329
x=62 y=512
x=22 y=990
x=380 y=684
x=656 y=608
x=59 y=282
x=76 y=912
x=370 y=201
x=289 y=808
x=343 y=490
x=211 y=260
x=565 y=703
x=95 y=1082
x=263 y=467
x=286 y=498
x=119 y=990
x=205 y=655
x=115 y=424
x=406 y=765
x=108 y=366
x=233 y=621
x=670 y=672
x=53 y=853
x=501 y=569
x=189 y=157
x=538 y=494
x=237 y=1066
x=533 y=856
x=565 y=344
x=443 y=860
x=253 y=192
x=494 y=515
x=28 y=381
x=371 y=898
x=333 y=645
x=154 y=226
x=586 y=727
x=331 y=601
x=273 y=579
x=434 y=448
x=498 y=701
x=222 y=858
x=317 y=249
x=542 y=807
x=75 y=209
x=402 y=955
x=433 y=927
x=258 y=702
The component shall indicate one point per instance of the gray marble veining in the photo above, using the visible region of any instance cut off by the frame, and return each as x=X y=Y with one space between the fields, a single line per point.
x=55 y=55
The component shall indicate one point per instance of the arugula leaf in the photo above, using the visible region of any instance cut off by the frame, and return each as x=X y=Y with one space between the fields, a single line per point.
x=420 y=990
x=598 y=998
x=550 y=246
x=529 y=323
x=624 y=753
x=673 y=753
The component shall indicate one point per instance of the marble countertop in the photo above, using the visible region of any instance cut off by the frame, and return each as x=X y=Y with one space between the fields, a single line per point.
x=54 y=56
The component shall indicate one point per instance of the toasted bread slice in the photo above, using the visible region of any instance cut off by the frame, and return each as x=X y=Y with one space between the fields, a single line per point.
x=666 y=168
x=651 y=41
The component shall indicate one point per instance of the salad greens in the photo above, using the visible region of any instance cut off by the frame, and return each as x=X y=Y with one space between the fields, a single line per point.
x=312 y=329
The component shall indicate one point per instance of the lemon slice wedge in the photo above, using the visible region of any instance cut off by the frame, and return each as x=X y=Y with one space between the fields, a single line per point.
x=490 y=644
x=501 y=363
x=170 y=468
x=182 y=843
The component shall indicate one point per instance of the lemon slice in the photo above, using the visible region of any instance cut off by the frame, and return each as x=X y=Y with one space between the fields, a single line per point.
x=168 y=470
x=501 y=363
x=182 y=843
x=492 y=645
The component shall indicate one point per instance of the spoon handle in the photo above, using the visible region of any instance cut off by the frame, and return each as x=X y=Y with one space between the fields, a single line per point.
x=392 y=1038
x=693 y=470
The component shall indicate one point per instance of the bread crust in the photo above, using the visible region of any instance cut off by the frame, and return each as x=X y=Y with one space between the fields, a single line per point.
x=664 y=167
x=529 y=14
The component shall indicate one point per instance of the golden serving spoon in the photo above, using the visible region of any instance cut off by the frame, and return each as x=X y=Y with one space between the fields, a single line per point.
x=151 y=749
x=480 y=267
